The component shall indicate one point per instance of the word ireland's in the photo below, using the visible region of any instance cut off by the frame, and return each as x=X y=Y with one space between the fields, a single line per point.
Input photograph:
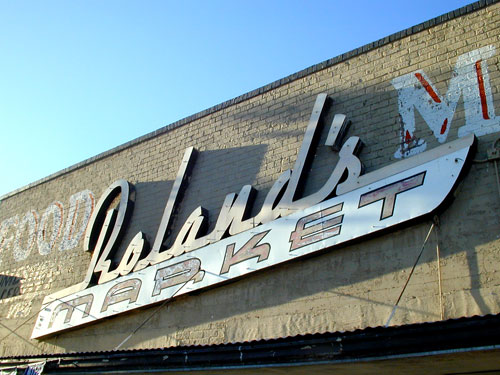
x=349 y=205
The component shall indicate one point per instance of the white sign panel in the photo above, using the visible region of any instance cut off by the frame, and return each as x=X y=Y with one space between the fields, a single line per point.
x=379 y=200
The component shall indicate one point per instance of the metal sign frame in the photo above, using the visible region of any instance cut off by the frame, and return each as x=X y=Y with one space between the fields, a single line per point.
x=286 y=228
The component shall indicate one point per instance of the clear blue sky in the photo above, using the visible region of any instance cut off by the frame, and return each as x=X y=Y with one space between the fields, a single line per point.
x=80 y=77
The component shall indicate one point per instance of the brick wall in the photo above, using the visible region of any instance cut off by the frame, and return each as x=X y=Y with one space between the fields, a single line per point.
x=251 y=140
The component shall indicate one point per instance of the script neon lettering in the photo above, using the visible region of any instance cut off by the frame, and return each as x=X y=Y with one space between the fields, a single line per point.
x=107 y=225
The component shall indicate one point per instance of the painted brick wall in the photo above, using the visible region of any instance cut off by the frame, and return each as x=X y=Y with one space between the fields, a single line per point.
x=251 y=140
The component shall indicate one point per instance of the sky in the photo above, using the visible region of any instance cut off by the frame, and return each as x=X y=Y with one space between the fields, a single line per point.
x=78 y=78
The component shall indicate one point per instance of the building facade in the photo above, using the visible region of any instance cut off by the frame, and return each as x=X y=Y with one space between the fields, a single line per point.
x=358 y=194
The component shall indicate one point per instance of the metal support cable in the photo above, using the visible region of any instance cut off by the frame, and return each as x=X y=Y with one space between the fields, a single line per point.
x=498 y=180
x=152 y=314
x=409 y=276
x=13 y=331
x=22 y=338
x=440 y=283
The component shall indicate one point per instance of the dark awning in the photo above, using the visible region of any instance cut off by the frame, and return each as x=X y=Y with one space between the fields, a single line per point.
x=457 y=346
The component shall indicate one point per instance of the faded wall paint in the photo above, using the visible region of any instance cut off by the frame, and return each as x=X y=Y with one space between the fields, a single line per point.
x=252 y=141
x=19 y=235
x=469 y=81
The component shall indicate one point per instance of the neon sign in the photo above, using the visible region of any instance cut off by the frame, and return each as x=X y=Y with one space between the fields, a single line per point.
x=348 y=206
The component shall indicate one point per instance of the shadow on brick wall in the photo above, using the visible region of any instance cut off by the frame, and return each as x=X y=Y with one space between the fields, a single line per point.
x=10 y=286
x=240 y=165
x=325 y=281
